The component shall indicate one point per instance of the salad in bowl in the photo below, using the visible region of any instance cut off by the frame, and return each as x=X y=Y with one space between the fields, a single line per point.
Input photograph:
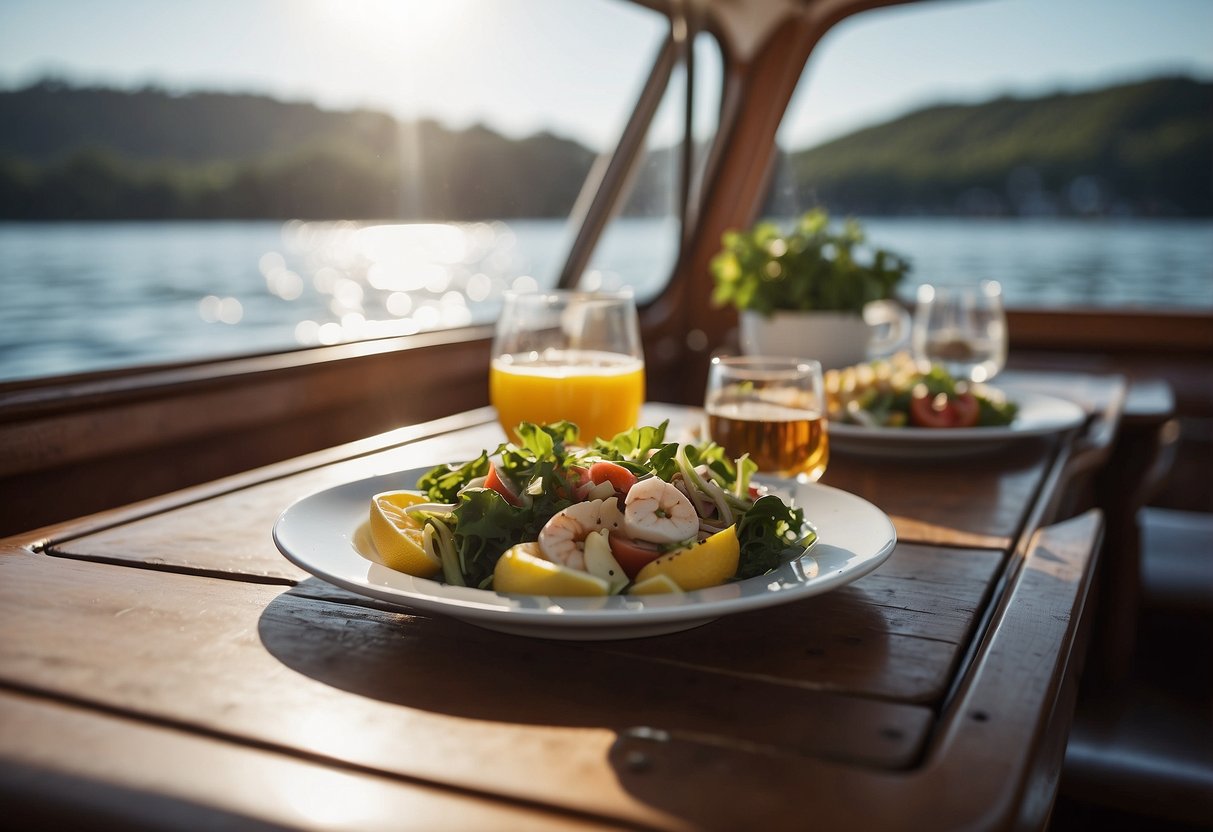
x=545 y=516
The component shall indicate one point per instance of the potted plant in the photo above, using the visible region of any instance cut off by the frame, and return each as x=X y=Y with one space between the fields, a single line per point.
x=813 y=292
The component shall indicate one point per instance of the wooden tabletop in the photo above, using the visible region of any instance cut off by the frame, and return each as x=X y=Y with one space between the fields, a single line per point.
x=163 y=665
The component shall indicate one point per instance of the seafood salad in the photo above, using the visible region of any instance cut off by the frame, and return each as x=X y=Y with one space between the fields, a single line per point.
x=546 y=516
x=898 y=392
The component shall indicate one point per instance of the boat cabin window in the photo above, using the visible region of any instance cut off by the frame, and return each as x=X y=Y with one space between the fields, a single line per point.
x=182 y=183
x=640 y=245
x=1068 y=161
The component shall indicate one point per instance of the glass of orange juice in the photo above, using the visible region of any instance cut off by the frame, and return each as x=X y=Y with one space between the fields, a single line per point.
x=773 y=409
x=568 y=355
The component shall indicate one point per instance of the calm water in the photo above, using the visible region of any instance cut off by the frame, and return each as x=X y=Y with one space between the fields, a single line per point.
x=77 y=297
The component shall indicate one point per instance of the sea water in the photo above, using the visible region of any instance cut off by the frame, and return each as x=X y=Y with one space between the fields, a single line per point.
x=84 y=296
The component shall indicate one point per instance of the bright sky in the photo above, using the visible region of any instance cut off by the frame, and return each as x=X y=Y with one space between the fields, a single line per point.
x=575 y=66
x=887 y=62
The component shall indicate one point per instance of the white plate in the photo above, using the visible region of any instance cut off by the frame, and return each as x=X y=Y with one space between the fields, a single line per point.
x=1038 y=415
x=325 y=534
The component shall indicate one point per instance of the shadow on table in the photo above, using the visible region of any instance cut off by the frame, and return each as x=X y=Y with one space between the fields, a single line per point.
x=737 y=677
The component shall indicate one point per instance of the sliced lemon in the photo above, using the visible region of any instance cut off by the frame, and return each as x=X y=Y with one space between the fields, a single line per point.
x=522 y=570
x=655 y=585
x=399 y=537
x=705 y=564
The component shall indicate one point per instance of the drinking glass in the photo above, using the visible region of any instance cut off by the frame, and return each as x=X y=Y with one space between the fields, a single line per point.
x=568 y=355
x=963 y=328
x=773 y=409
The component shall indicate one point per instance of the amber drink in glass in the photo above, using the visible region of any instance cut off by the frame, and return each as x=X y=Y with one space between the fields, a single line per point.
x=772 y=409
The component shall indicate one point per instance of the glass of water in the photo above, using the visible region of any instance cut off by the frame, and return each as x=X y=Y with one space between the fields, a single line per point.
x=963 y=328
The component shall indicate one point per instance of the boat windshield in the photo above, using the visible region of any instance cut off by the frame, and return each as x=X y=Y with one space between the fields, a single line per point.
x=193 y=182
x=1050 y=146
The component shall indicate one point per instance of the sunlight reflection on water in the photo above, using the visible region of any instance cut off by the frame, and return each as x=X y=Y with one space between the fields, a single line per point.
x=83 y=296
x=400 y=279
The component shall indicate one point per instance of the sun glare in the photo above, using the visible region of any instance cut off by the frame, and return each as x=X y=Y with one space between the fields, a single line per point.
x=397 y=24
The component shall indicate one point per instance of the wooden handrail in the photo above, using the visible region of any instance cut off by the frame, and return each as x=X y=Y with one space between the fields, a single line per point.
x=1112 y=330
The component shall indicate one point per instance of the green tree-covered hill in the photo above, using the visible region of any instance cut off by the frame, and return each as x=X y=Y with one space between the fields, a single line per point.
x=87 y=153
x=91 y=153
x=52 y=120
x=1140 y=148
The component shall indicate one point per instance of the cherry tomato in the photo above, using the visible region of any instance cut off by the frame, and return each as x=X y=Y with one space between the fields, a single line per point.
x=966 y=409
x=578 y=478
x=616 y=475
x=633 y=555
x=928 y=411
x=496 y=482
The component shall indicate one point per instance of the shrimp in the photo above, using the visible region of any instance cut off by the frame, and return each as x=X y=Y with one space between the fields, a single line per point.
x=658 y=512
x=562 y=538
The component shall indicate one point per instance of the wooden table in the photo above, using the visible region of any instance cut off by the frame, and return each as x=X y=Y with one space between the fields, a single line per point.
x=163 y=665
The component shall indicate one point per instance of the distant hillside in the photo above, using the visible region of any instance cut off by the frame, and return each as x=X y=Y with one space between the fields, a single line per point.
x=1142 y=148
x=50 y=121
x=90 y=153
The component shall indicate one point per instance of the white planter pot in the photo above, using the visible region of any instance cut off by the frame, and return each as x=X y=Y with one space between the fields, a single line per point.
x=836 y=339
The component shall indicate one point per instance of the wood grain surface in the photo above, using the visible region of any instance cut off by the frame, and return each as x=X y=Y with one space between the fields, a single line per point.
x=991 y=764
x=429 y=699
x=168 y=778
x=177 y=629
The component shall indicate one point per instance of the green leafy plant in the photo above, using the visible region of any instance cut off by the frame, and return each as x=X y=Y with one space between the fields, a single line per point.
x=811 y=268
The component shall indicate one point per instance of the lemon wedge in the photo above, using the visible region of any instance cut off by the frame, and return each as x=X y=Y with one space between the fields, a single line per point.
x=705 y=564
x=522 y=570
x=399 y=537
x=655 y=585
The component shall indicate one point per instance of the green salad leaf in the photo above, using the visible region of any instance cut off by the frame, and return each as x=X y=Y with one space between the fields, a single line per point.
x=485 y=526
x=766 y=531
x=442 y=484
x=632 y=445
x=996 y=413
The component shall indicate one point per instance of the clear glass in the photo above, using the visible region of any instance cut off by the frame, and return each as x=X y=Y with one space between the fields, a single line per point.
x=772 y=409
x=568 y=355
x=961 y=327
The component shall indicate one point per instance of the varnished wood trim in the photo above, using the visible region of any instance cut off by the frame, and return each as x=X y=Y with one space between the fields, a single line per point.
x=37 y=538
x=1111 y=330
x=41 y=397
x=160 y=437
x=1020 y=683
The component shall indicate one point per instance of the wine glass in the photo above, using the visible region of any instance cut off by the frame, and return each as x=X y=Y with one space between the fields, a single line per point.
x=963 y=328
x=568 y=355
x=771 y=408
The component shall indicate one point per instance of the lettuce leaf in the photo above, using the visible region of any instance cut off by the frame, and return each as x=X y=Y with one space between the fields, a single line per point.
x=632 y=445
x=485 y=526
x=441 y=484
x=766 y=531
